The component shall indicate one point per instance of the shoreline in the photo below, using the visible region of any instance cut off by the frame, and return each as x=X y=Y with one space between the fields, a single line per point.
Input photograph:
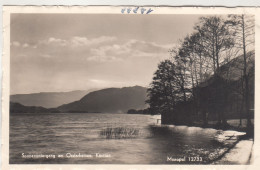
x=232 y=124
x=242 y=145
x=240 y=154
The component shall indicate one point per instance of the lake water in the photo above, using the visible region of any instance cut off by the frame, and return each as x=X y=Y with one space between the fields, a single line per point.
x=73 y=134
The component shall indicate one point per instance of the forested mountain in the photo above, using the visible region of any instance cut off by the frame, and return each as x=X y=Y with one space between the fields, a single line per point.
x=111 y=100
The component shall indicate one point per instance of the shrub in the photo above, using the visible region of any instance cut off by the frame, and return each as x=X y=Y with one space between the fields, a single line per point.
x=119 y=133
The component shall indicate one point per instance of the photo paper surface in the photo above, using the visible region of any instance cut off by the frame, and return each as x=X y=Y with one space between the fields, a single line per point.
x=151 y=87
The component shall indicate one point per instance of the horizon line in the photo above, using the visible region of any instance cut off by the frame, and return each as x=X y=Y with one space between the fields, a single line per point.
x=94 y=89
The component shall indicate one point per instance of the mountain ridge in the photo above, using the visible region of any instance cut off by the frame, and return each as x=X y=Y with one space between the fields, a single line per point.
x=109 y=100
x=48 y=99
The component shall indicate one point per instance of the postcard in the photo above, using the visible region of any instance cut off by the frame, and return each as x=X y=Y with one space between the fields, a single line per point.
x=130 y=87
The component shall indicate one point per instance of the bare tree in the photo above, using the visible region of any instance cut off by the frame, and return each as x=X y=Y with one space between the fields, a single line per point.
x=216 y=38
x=243 y=28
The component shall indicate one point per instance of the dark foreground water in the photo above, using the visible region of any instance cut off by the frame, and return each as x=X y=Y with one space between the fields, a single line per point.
x=70 y=138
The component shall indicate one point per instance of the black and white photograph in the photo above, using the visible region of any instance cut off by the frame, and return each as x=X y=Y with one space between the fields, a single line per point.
x=132 y=87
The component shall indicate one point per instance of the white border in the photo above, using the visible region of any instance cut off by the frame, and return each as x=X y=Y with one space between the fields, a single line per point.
x=7 y=10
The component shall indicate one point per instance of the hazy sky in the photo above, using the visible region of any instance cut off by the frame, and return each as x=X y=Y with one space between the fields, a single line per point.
x=64 y=52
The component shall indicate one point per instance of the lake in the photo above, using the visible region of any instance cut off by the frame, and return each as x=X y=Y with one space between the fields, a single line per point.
x=75 y=138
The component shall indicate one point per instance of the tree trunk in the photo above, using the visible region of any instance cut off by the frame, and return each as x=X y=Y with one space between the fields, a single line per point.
x=242 y=102
x=217 y=51
x=213 y=55
x=247 y=100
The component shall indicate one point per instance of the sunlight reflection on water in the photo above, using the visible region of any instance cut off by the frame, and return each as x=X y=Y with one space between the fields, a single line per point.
x=80 y=133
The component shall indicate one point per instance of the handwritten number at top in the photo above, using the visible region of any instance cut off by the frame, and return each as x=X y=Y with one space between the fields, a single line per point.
x=136 y=10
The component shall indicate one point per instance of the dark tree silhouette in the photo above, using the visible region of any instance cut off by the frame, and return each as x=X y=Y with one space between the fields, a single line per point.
x=207 y=76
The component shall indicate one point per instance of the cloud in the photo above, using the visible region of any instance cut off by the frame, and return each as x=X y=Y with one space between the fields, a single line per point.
x=97 y=62
x=56 y=41
x=25 y=45
x=83 y=41
x=102 y=49
x=129 y=49
x=45 y=55
x=101 y=58
x=16 y=44
x=106 y=83
x=77 y=41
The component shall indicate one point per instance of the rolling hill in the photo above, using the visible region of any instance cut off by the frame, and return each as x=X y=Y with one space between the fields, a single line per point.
x=19 y=108
x=110 y=100
x=48 y=99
